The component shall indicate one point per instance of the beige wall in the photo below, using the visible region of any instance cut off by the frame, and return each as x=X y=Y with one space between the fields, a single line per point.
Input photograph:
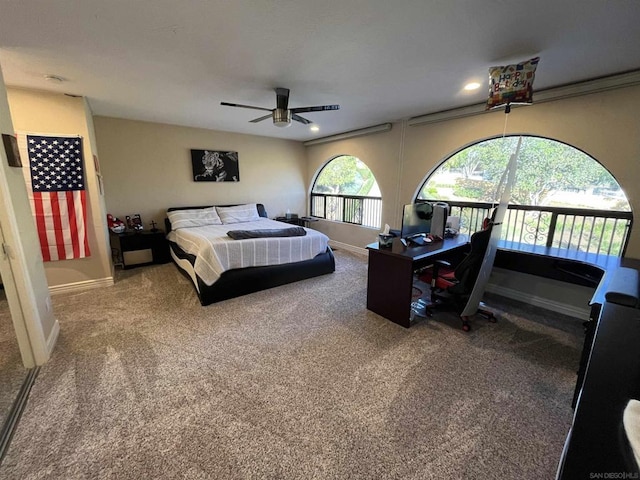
x=382 y=154
x=51 y=113
x=605 y=125
x=147 y=168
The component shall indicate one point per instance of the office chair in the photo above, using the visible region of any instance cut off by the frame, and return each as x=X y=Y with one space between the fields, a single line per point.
x=454 y=286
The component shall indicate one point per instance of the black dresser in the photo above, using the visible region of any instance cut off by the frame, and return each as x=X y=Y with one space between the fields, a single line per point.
x=597 y=445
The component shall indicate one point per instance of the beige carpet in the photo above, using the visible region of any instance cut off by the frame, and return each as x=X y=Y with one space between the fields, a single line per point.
x=297 y=382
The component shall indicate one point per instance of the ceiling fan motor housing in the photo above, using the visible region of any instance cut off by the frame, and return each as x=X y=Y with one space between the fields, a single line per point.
x=281 y=117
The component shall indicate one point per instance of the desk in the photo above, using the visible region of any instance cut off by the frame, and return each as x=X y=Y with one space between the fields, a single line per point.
x=390 y=274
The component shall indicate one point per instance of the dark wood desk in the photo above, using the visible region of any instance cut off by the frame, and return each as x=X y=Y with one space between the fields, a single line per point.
x=390 y=275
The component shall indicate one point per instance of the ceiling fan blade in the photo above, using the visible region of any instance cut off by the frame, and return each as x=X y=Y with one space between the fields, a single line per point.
x=300 y=119
x=244 y=106
x=319 y=108
x=282 y=98
x=256 y=120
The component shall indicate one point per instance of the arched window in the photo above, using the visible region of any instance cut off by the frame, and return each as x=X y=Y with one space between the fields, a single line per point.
x=562 y=197
x=345 y=190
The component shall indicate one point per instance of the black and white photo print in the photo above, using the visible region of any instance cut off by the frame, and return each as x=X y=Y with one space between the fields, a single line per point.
x=215 y=166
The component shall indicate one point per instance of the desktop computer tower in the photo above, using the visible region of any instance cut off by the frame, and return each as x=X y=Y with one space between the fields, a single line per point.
x=439 y=219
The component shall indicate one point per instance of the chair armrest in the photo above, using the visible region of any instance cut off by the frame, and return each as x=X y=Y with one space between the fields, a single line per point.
x=442 y=263
x=437 y=265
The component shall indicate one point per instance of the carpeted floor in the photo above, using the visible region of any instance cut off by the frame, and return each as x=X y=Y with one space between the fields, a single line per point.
x=12 y=371
x=297 y=382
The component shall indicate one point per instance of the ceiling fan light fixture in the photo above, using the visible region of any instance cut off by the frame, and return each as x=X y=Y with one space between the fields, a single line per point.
x=281 y=117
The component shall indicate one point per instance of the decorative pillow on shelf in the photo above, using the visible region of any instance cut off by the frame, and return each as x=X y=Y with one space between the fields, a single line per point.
x=196 y=217
x=239 y=213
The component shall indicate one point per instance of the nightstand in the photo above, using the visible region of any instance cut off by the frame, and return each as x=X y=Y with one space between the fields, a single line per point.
x=141 y=240
x=293 y=220
x=300 y=221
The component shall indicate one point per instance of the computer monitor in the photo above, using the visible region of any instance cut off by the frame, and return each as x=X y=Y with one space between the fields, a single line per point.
x=416 y=219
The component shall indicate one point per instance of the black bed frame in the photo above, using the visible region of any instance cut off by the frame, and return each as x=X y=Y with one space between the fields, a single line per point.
x=237 y=282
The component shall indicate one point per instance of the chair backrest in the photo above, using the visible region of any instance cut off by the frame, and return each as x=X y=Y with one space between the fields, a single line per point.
x=468 y=269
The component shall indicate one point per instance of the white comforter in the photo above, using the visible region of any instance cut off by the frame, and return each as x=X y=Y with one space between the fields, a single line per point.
x=216 y=252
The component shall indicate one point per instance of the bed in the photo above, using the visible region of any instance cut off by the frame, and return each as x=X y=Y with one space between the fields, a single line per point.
x=221 y=268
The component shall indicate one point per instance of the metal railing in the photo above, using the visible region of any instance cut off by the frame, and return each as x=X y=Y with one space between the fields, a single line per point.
x=604 y=232
x=355 y=209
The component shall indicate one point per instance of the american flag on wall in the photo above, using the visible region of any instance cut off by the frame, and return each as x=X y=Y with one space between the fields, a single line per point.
x=56 y=188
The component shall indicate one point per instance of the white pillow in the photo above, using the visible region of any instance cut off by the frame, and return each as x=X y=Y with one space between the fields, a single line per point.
x=239 y=213
x=196 y=217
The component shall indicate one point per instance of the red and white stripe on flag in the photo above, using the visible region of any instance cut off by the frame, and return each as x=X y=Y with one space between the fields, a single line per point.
x=60 y=221
x=54 y=176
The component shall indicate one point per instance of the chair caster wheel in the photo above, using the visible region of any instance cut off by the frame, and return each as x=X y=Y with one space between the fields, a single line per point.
x=466 y=327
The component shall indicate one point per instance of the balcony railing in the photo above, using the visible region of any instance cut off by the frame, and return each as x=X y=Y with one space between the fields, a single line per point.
x=603 y=232
x=356 y=209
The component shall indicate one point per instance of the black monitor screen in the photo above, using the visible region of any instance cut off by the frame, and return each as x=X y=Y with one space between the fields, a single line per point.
x=416 y=218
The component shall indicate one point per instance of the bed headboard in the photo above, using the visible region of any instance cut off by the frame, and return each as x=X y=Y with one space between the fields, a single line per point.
x=167 y=224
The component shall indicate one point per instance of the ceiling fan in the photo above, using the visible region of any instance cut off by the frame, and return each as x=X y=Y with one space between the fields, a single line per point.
x=282 y=115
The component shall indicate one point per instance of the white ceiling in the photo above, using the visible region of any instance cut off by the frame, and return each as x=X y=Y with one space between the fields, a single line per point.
x=174 y=61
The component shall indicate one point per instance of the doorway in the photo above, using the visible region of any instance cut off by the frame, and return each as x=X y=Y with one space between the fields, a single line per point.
x=12 y=370
x=16 y=378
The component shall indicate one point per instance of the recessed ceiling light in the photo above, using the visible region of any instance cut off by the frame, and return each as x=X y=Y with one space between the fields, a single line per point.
x=314 y=128
x=472 y=86
x=53 y=79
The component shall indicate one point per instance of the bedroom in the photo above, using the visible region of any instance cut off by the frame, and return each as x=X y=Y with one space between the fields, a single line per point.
x=145 y=164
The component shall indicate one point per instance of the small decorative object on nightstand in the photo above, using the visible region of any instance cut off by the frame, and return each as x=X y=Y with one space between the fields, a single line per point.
x=153 y=226
x=134 y=222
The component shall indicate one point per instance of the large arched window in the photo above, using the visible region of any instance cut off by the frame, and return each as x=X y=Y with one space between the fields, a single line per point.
x=345 y=190
x=562 y=197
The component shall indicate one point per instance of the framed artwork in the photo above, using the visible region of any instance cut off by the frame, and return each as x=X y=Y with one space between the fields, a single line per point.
x=215 y=166
x=11 y=149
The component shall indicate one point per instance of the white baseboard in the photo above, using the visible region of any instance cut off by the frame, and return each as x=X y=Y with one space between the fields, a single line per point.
x=570 y=310
x=350 y=248
x=80 y=286
x=53 y=338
